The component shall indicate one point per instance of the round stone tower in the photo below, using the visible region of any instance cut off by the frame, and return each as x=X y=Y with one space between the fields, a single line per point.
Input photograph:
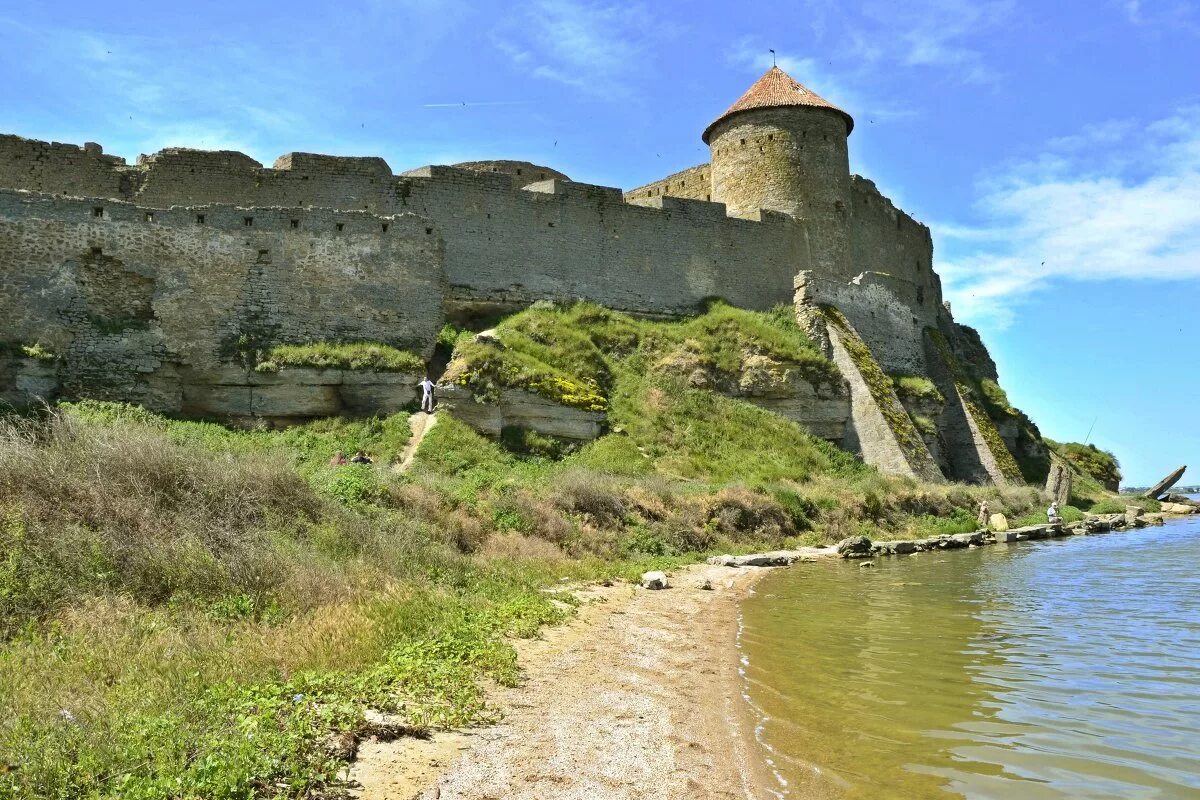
x=782 y=147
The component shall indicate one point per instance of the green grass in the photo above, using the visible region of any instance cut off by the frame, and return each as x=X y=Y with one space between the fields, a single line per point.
x=917 y=387
x=569 y=354
x=189 y=610
x=340 y=355
x=1100 y=465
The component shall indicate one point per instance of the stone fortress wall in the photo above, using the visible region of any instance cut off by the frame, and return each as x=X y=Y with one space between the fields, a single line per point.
x=553 y=239
x=141 y=301
x=150 y=279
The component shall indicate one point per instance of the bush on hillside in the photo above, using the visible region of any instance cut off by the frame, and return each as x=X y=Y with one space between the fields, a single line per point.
x=1098 y=464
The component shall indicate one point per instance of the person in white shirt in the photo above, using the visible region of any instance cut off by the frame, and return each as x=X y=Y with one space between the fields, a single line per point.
x=1052 y=514
x=426 y=394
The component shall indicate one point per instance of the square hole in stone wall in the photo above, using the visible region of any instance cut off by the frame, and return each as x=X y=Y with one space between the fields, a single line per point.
x=247 y=221
x=149 y=216
x=295 y=223
x=97 y=211
x=385 y=227
x=199 y=219
x=341 y=226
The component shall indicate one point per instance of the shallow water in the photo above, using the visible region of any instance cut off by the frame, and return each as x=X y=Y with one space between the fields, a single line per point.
x=1034 y=670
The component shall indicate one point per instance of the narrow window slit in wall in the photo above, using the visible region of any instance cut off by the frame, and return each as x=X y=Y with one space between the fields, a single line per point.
x=385 y=227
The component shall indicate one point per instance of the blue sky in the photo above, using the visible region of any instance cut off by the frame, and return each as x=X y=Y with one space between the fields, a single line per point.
x=1053 y=148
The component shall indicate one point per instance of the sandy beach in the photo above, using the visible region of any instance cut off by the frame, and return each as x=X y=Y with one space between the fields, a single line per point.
x=638 y=695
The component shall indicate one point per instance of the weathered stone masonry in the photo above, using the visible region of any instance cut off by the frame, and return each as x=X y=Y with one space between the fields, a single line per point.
x=153 y=281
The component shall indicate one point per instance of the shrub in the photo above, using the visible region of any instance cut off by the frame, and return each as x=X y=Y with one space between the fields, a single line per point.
x=1098 y=464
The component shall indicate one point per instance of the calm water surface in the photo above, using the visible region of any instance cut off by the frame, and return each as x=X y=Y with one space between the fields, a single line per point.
x=1067 y=668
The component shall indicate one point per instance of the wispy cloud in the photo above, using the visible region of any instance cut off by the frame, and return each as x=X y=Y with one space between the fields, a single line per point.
x=595 y=47
x=1178 y=14
x=160 y=95
x=946 y=34
x=1116 y=201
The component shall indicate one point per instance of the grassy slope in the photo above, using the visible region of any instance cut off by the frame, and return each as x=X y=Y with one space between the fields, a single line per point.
x=188 y=610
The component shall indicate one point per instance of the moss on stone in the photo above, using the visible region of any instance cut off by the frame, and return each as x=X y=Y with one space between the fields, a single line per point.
x=970 y=391
x=21 y=350
x=881 y=387
x=924 y=424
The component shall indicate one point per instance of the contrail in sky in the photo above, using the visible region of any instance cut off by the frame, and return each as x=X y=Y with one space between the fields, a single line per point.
x=484 y=103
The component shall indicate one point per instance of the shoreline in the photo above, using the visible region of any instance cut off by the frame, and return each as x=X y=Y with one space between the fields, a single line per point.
x=641 y=692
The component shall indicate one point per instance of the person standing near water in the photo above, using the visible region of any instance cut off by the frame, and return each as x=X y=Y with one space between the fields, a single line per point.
x=426 y=394
x=983 y=515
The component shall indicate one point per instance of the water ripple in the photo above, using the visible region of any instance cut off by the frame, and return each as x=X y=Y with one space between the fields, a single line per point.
x=1062 y=669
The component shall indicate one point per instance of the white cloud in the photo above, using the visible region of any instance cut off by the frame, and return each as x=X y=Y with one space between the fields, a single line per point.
x=946 y=34
x=1115 y=201
x=937 y=33
x=595 y=47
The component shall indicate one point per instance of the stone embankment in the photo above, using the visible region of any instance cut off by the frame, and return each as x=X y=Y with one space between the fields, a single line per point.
x=863 y=547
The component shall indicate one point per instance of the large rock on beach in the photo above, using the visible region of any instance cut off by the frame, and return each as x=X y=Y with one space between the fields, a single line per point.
x=854 y=547
x=1177 y=508
x=899 y=547
x=998 y=522
x=655 y=580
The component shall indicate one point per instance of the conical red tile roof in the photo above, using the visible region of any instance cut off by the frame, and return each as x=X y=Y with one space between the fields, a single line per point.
x=774 y=90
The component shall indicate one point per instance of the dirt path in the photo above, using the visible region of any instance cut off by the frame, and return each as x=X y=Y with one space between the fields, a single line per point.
x=420 y=424
x=639 y=696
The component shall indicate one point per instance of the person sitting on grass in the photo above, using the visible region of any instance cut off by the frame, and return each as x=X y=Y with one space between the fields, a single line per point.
x=338 y=460
x=361 y=458
x=1052 y=514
